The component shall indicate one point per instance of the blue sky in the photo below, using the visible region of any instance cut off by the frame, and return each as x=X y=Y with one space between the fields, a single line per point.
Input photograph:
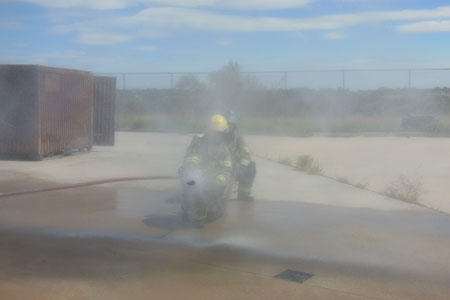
x=202 y=35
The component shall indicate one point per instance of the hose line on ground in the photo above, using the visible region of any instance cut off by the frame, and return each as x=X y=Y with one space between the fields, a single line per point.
x=87 y=183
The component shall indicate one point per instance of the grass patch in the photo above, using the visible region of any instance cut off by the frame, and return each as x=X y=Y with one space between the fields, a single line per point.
x=138 y=124
x=259 y=125
x=306 y=163
x=285 y=161
x=406 y=188
x=344 y=180
x=360 y=185
x=310 y=125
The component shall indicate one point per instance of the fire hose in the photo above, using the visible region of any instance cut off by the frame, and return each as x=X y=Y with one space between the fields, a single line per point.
x=84 y=184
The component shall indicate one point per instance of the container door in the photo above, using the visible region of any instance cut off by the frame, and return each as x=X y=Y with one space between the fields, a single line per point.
x=104 y=110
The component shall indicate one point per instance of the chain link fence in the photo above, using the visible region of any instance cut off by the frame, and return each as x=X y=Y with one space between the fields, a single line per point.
x=313 y=79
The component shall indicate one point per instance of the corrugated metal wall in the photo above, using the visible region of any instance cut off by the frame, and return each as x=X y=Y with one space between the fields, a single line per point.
x=18 y=110
x=44 y=110
x=65 y=110
x=104 y=110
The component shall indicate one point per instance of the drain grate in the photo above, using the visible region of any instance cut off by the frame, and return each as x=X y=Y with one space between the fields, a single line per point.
x=294 y=276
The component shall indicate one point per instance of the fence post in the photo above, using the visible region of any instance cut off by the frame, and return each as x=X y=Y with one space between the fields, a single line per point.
x=409 y=79
x=343 y=80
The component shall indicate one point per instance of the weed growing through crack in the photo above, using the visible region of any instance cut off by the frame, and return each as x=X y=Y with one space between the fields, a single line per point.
x=406 y=188
x=344 y=180
x=306 y=163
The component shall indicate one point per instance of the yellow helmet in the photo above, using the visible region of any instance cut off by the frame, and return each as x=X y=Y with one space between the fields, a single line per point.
x=218 y=123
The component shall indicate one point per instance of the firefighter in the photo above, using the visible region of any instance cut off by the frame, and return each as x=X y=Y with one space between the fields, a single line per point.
x=209 y=154
x=241 y=158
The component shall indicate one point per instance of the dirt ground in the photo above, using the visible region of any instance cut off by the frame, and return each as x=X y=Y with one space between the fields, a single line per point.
x=375 y=161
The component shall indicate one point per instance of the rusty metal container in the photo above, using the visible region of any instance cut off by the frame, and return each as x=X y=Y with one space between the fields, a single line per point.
x=104 y=110
x=44 y=110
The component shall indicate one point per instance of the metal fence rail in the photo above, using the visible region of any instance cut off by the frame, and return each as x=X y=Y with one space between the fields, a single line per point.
x=353 y=79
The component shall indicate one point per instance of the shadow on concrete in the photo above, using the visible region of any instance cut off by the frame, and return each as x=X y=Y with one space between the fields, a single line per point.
x=166 y=222
x=174 y=200
x=26 y=255
x=33 y=255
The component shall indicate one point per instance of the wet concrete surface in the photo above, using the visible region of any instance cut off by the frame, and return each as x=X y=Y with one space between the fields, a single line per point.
x=93 y=240
x=126 y=240
x=60 y=268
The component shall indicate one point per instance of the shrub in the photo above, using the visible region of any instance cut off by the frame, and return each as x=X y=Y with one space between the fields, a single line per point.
x=307 y=164
x=405 y=188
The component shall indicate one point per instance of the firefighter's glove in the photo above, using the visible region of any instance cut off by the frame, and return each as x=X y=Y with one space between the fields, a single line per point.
x=221 y=180
x=242 y=169
x=218 y=185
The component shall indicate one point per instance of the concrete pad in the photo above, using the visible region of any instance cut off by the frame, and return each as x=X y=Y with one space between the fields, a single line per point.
x=77 y=269
x=376 y=161
x=135 y=154
x=282 y=183
x=125 y=240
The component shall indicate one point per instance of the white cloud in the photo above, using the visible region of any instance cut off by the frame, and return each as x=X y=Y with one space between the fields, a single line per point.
x=193 y=18
x=333 y=36
x=262 y=4
x=426 y=26
x=119 y=4
x=96 y=38
x=161 y=21
x=95 y=4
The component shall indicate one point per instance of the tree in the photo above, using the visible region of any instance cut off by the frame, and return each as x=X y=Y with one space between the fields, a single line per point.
x=228 y=79
x=229 y=86
x=190 y=83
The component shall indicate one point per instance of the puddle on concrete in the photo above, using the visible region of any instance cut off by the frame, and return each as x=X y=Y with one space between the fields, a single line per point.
x=294 y=276
x=134 y=201
x=110 y=208
x=165 y=221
